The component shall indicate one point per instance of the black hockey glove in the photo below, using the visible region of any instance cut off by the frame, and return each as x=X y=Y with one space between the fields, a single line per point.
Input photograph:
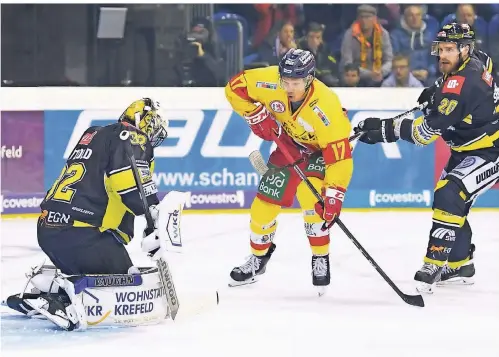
x=376 y=131
x=428 y=94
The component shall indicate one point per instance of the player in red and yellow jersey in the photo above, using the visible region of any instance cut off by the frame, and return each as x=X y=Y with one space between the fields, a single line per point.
x=309 y=119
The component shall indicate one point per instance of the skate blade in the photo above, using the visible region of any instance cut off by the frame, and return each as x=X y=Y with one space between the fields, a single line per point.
x=424 y=288
x=233 y=283
x=321 y=290
x=456 y=282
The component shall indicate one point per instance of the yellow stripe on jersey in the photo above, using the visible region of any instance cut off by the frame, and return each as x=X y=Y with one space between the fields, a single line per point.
x=115 y=209
x=125 y=237
x=122 y=181
x=468 y=119
x=486 y=141
x=447 y=218
x=152 y=165
x=489 y=65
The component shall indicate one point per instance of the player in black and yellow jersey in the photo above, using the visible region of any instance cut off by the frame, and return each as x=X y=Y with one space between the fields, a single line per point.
x=88 y=213
x=464 y=111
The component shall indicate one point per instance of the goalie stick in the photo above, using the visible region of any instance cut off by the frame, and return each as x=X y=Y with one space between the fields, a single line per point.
x=165 y=275
x=260 y=166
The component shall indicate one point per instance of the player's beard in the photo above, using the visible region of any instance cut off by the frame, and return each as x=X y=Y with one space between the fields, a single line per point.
x=446 y=66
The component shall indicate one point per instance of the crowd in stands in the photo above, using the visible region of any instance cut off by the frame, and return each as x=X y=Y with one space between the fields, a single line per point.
x=363 y=45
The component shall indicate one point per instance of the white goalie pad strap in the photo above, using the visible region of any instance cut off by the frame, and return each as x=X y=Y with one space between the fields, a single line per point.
x=45 y=280
x=76 y=311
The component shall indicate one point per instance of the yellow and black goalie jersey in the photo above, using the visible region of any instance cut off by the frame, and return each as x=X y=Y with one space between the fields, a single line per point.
x=96 y=186
x=465 y=113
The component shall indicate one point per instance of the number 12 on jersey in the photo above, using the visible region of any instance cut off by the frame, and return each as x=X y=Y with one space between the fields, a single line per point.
x=62 y=190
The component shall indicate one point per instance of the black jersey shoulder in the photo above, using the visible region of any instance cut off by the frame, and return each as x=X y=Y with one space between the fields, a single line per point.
x=470 y=80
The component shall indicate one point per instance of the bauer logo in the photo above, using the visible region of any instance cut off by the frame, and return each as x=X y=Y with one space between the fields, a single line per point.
x=406 y=199
x=206 y=200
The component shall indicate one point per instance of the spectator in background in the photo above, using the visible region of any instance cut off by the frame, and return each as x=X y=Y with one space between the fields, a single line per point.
x=326 y=66
x=368 y=44
x=390 y=14
x=465 y=14
x=401 y=74
x=413 y=39
x=200 y=65
x=274 y=48
x=494 y=49
x=487 y=11
x=271 y=15
x=439 y=11
x=351 y=76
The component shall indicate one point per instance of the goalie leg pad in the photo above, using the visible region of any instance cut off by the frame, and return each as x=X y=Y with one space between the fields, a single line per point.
x=107 y=300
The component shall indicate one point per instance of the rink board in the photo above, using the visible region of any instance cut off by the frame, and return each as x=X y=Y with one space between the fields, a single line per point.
x=207 y=150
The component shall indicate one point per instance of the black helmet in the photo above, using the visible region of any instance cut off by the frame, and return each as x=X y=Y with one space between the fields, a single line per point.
x=460 y=34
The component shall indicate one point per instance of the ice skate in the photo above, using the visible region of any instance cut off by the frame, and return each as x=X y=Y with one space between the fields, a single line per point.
x=249 y=272
x=462 y=275
x=19 y=304
x=321 y=273
x=426 y=277
x=56 y=308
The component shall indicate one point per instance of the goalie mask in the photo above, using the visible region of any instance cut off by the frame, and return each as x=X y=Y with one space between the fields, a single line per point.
x=144 y=115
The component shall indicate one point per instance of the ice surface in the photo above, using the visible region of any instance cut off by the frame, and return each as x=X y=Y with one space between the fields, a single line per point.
x=281 y=315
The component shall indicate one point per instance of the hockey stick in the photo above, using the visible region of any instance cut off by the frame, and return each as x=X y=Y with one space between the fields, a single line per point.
x=410 y=111
x=415 y=300
x=165 y=275
x=258 y=162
